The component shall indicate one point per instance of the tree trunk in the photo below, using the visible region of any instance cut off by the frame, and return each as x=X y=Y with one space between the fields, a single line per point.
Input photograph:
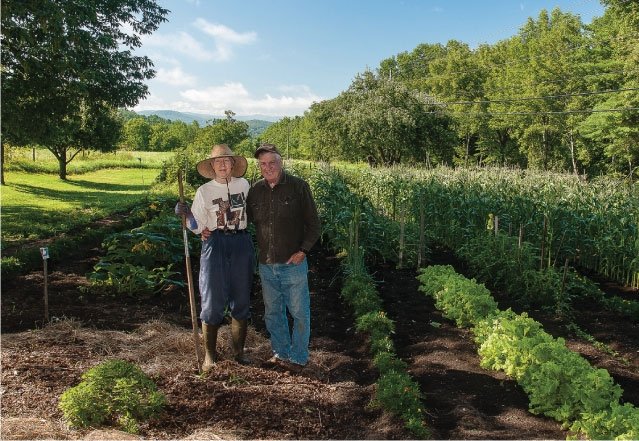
x=60 y=152
x=63 y=168
x=467 y=149
x=544 y=150
x=2 y=163
x=572 y=155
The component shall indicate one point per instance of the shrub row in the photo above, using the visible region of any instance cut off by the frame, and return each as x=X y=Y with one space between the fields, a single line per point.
x=396 y=391
x=559 y=383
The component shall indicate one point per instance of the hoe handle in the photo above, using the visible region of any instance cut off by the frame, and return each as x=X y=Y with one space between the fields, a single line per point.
x=189 y=279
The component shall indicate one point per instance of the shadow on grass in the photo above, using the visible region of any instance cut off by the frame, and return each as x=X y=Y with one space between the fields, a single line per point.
x=92 y=200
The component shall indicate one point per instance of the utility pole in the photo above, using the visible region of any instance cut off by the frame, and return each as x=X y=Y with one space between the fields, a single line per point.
x=288 y=132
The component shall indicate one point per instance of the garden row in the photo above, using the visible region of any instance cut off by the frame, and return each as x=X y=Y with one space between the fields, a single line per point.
x=560 y=383
x=352 y=214
x=594 y=225
x=409 y=215
x=29 y=258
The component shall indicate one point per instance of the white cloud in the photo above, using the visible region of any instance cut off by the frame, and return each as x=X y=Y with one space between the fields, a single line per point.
x=175 y=76
x=235 y=97
x=224 y=37
x=155 y=102
x=180 y=42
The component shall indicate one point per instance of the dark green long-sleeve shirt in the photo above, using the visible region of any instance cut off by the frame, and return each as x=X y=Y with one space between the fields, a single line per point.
x=285 y=218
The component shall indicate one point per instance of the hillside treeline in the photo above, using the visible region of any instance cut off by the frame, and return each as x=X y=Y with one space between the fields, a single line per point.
x=559 y=95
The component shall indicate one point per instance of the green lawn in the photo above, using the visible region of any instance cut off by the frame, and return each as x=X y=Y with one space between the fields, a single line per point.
x=38 y=206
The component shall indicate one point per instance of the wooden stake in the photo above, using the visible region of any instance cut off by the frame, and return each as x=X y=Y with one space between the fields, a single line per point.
x=421 y=236
x=401 y=237
x=44 y=252
x=543 y=243
x=521 y=235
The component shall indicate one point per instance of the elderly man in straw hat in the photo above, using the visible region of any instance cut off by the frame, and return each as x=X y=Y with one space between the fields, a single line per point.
x=227 y=261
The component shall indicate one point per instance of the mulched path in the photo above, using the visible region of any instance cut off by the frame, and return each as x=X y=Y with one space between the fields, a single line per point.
x=330 y=399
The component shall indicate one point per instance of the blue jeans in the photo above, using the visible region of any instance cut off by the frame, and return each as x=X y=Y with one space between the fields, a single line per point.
x=286 y=287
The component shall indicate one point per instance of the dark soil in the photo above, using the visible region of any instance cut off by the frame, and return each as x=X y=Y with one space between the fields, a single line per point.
x=330 y=399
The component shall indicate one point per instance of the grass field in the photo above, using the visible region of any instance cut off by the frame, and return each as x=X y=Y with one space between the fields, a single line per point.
x=42 y=160
x=38 y=206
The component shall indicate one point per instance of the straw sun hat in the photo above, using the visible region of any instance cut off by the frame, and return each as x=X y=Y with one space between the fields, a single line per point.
x=205 y=167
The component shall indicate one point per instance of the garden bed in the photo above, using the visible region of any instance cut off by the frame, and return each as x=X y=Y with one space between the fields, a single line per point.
x=330 y=399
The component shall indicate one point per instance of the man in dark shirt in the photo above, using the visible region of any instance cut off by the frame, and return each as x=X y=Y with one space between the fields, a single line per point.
x=287 y=226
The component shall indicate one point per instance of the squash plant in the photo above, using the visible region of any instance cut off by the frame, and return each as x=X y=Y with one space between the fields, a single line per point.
x=141 y=261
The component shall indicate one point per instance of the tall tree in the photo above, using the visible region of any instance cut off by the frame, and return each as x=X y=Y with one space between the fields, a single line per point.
x=497 y=144
x=136 y=134
x=392 y=123
x=67 y=64
x=224 y=131
x=457 y=79
x=615 y=36
x=548 y=75
x=325 y=134
x=285 y=133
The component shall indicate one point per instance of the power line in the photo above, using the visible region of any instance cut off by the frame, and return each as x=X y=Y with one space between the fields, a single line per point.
x=560 y=112
x=518 y=61
x=532 y=98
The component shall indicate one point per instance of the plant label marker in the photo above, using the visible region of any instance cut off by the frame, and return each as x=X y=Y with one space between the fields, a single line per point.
x=44 y=252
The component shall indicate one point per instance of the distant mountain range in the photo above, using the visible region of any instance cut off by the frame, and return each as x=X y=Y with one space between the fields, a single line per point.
x=202 y=118
x=257 y=123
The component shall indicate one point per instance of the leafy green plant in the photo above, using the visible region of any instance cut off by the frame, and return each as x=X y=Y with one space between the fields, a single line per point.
x=129 y=279
x=458 y=298
x=362 y=296
x=115 y=391
x=398 y=393
x=621 y=422
x=376 y=323
x=386 y=361
x=142 y=260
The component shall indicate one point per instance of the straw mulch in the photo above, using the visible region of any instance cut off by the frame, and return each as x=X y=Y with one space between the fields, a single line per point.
x=232 y=402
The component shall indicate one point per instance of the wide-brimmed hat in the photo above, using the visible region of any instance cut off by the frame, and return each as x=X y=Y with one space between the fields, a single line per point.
x=205 y=167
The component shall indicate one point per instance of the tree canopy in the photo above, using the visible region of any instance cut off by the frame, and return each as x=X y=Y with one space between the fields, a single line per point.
x=558 y=95
x=66 y=67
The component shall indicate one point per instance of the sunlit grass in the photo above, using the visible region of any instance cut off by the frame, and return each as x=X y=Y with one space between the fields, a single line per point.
x=38 y=206
x=42 y=160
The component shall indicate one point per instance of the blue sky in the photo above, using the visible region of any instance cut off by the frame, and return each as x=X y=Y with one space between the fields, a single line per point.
x=276 y=57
